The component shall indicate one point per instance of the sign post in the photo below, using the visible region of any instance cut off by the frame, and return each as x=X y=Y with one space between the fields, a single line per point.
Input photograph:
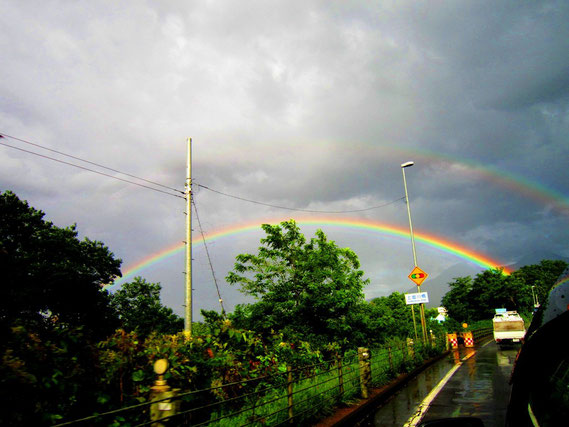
x=418 y=276
x=414 y=323
x=412 y=299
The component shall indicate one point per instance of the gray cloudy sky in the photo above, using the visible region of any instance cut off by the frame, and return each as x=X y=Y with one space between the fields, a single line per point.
x=306 y=104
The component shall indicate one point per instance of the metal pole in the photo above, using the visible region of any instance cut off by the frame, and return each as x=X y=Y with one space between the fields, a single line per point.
x=409 y=215
x=535 y=299
x=423 y=321
x=414 y=323
x=188 y=308
x=422 y=306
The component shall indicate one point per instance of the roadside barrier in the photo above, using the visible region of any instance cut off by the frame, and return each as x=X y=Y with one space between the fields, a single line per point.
x=468 y=339
x=295 y=395
x=453 y=340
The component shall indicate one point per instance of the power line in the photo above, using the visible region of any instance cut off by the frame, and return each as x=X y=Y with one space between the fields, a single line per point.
x=88 y=161
x=91 y=170
x=3 y=135
x=298 y=209
x=209 y=258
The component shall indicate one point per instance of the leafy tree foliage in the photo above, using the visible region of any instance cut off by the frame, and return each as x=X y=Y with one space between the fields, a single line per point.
x=542 y=276
x=492 y=289
x=140 y=309
x=48 y=274
x=389 y=317
x=306 y=290
x=47 y=374
x=476 y=299
x=456 y=301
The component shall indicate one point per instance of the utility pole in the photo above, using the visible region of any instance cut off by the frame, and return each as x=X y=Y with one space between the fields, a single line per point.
x=188 y=307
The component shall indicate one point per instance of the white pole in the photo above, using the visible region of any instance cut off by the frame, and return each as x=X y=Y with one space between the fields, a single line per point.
x=188 y=307
x=409 y=215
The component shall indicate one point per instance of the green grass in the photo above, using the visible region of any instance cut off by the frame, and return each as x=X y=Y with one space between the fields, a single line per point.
x=318 y=395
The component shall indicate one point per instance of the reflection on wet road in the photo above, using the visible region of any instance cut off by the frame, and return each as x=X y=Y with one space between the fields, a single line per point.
x=479 y=388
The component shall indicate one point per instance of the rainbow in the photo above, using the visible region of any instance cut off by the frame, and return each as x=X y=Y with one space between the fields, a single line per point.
x=431 y=240
x=497 y=176
x=510 y=181
x=564 y=278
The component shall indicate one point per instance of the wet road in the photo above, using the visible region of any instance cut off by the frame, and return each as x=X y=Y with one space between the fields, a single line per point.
x=478 y=388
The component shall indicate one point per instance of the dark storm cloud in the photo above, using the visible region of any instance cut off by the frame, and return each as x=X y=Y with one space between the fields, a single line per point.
x=307 y=105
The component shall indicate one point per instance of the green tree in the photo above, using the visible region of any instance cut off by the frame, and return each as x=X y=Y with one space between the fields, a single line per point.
x=492 y=289
x=390 y=317
x=52 y=310
x=457 y=300
x=306 y=290
x=49 y=275
x=541 y=277
x=471 y=300
x=474 y=300
x=140 y=309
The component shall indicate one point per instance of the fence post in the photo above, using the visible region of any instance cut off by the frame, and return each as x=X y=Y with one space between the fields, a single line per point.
x=411 y=348
x=289 y=393
x=161 y=390
x=340 y=376
x=365 y=371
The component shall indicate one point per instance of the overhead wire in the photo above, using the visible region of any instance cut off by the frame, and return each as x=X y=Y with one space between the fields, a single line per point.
x=90 y=162
x=298 y=209
x=91 y=170
x=209 y=258
x=183 y=196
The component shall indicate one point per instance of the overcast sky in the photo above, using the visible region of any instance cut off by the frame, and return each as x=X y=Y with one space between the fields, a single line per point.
x=305 y=104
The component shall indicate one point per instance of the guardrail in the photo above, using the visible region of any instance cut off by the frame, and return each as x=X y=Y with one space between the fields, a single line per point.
x=482 y=333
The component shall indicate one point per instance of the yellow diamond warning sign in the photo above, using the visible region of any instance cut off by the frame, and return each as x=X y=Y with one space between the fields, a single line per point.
x=418 y=276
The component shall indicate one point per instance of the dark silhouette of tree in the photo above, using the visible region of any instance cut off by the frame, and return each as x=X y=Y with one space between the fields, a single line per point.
x=49 y=276
x=140 y=310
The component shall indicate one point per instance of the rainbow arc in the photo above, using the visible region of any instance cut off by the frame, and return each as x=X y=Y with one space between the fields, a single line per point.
x=373 y=227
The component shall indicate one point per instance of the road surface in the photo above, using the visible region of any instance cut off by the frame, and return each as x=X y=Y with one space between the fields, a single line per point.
x=476 y=383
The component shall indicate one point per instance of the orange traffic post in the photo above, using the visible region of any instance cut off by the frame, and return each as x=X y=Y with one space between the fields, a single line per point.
x=453 y=340
x=468 y=339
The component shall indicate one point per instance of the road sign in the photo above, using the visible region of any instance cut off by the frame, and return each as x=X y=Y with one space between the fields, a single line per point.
x=418 y=298
x=418 y=276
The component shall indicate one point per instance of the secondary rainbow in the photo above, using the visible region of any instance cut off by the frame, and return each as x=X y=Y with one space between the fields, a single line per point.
x=384 y=229
x=511 y=181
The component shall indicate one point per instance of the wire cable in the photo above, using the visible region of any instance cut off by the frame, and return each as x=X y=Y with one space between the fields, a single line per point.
x=90 y=162
x=297 y=209
x=209 y=258
x=3 y=135
x=91 y=170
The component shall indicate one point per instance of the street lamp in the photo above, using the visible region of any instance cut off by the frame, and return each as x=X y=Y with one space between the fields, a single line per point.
x=403 y=166
x=422 y=306
x=535 y=300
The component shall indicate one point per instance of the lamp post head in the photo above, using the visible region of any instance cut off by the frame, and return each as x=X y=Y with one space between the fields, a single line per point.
x=407 y=164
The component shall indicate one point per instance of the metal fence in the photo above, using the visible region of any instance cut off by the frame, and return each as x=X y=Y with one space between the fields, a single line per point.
x=298 y=395
x=482 y=333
